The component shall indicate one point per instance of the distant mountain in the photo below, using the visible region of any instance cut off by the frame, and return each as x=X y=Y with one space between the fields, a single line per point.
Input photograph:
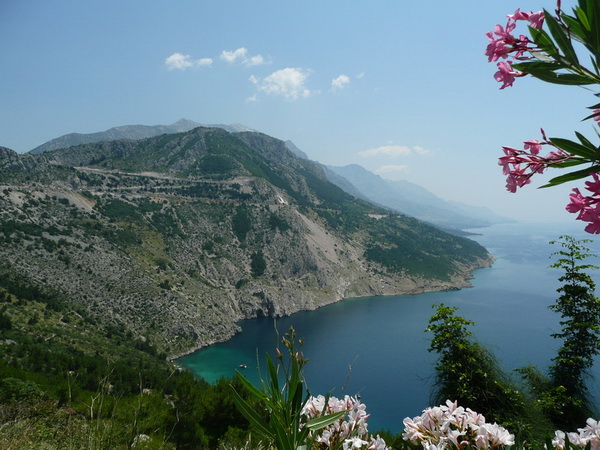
x=414 y=200
x=177 y=237
x=128 y=132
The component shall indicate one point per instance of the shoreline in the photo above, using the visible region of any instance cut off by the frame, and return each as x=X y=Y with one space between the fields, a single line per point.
x=463 y=283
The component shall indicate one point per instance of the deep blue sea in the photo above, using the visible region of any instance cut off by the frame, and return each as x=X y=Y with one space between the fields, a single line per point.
x=377 y=347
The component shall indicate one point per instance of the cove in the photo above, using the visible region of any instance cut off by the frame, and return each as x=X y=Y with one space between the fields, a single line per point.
x=376 y=346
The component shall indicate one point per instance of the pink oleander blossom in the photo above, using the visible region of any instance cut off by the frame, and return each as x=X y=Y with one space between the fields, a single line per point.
x=506 y=74
x=503 y=44
x=587 y=207
x=536 y=20
x=520 y=165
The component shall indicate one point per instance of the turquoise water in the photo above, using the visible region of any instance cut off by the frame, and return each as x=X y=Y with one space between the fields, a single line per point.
x=377 y=347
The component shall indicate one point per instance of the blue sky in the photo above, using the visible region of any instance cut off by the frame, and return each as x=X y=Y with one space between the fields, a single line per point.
x=401 y=88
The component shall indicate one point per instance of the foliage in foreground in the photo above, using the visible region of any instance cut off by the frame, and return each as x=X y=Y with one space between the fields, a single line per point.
x=553 y=53
x=68 y=383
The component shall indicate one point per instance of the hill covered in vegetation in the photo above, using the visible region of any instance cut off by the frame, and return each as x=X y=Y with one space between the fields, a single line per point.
x=175 y=238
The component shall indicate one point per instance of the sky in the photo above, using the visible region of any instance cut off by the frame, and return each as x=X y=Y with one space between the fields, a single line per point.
x=402 y=88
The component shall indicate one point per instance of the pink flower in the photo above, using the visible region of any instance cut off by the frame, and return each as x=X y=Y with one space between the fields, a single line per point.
x=506 y=75
x=534 y=146
x=536 y=19
x=577 y=202
x=593 y=186
x=496 y=49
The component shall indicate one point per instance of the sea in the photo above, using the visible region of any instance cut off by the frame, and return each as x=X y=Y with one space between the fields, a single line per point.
x=377 y=347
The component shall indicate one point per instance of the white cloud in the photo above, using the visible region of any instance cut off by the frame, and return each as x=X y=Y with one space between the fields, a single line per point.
x=340 y=82
x=205 y=62
x=241 y=55
x=234 y=55
x=178 y=61
x=254 y=61
x=395 y=151
x=288 y=83
x=387 y=150
x=390 y=169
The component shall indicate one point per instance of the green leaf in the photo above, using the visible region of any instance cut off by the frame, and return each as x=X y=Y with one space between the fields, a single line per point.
x=549 y=66
x=543 y=41
x=582 y=18
x=321 y=422
x=584 y=141
x=272 y=375
x=253 y=390
x=578 y=30
x=574 y=148
x=561 y=38
x=253 y=417
x=572 y=176
x=593 y=15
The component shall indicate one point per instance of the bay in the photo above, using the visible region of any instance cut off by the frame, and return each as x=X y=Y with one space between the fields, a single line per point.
x=376 y=347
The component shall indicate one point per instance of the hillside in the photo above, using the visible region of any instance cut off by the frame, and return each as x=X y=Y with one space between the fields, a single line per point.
x=175 y=238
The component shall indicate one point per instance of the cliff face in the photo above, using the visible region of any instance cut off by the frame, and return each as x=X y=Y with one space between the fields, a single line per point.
x=176 y=238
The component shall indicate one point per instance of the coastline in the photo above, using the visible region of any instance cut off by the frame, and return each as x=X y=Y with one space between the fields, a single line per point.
x=426 y=286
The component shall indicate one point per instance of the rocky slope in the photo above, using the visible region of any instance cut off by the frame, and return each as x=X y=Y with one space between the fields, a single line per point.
x=175 y=238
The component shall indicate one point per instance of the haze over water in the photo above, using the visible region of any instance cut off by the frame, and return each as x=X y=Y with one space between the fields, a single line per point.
x=377 y=347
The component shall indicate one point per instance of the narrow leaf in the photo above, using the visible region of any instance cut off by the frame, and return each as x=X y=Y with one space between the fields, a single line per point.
x=579 y=33
x=584 y=141
x=253 y=417
x=543 y=41
x=574 y=148
x=272 y=374
x=583 y=18
x=253 y=390
x=321 y=422
x=572 y=176
x=593 y=15
x=561 y=38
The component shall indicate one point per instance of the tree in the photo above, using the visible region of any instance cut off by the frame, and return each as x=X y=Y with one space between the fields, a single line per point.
x=550 y=56
x=258 y=265
x=580 y=312
x=469 y=374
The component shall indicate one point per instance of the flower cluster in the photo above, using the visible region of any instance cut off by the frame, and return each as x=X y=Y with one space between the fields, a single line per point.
x=503 y=44
x=451 y=426
x=351 y=431
x=588 y=206
x=520 y=165
x=589 y=435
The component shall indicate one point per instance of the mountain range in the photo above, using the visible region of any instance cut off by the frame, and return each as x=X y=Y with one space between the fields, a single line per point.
x=175 y=238
x=127 y=132
x=414 y=200
x=402 y=196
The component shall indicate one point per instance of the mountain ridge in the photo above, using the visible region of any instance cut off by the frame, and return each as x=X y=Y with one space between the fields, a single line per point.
x=176 y=237
x=134 y=132
x=415 y=200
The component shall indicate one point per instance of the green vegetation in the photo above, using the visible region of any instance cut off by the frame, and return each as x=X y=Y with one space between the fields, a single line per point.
x=258 y=265
x=468 y=373
x=66 y=383
x=241 y=223
x=564 y=393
